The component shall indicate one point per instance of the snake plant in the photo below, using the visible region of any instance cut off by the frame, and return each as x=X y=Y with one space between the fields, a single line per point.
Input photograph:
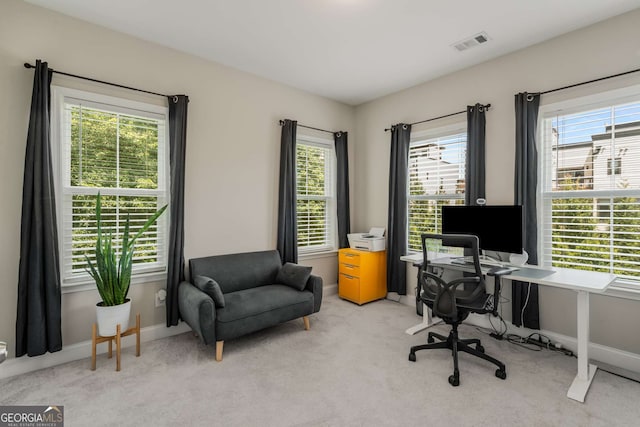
x=113 y=276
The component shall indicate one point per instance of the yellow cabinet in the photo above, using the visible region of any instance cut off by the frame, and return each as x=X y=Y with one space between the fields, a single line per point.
x=362 y=275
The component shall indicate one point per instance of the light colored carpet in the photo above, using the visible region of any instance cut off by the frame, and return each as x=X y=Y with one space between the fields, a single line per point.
x=350 y=369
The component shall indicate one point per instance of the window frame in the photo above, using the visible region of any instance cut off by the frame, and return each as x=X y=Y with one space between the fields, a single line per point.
x=60 y=151
x=331 y=219
x=418 y=138
x=545 y=193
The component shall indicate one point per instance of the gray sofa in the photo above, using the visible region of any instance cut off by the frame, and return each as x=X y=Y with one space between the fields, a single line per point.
x=234 y=295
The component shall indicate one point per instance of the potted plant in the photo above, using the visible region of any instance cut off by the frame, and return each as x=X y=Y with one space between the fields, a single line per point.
x=113 y=275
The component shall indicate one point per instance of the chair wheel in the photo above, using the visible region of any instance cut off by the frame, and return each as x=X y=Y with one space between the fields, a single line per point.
x=501 y=373
x=480 y=348
x=412 y=357
x=430 y=340
x=454 y=380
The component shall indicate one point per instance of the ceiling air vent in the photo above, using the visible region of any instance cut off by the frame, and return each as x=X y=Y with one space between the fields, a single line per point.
x=472 y=41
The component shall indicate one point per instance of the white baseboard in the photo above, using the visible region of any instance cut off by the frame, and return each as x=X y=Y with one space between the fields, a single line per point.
x=597 y=352
x=330 y=289
x=81 y=350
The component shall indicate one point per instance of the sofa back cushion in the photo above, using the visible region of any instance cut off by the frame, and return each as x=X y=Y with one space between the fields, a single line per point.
x=237 y=272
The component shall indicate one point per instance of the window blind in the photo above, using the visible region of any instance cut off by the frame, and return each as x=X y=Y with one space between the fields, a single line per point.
x=315 y=197
x=121 y=154
x=591 y=191
x=436 y=178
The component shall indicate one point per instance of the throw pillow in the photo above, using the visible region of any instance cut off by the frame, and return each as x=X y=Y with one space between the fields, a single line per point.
x=211 y=288
x=293 y=275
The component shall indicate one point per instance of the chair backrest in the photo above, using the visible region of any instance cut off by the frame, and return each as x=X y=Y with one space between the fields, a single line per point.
x=236 y=272
x=446 y=296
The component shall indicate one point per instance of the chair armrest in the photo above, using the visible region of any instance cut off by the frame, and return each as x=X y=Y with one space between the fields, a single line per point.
x=314 y=285
x=198 y=310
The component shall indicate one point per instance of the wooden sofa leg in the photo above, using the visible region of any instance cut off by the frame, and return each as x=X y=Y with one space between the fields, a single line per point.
x=219 y=345
x=306 y=323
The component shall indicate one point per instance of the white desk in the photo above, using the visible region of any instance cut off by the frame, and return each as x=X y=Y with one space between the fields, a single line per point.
x=582 y=282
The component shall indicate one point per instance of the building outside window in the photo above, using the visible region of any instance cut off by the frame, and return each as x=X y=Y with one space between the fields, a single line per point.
x=436 y=177
x=316 y=194
x=590 y=204
x=118 y=148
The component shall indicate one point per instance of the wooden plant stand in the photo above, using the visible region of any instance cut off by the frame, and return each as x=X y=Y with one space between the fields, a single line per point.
x=96 y=339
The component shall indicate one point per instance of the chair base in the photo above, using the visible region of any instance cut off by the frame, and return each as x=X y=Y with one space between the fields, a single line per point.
x=456 y=344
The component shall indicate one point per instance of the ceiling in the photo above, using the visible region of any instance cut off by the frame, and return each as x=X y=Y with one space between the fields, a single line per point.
x=352 y=51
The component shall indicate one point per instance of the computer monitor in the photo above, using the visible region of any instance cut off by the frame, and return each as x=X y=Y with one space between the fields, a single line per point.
x=499 y=228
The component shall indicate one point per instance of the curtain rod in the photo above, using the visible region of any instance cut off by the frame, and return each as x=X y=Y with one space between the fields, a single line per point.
x=487 y=106
x=27 y=65
x=310 y=127
x=590 y=81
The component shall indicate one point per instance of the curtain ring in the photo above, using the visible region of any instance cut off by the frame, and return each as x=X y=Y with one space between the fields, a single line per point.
x=175 y=99
x=529 y=97
x=404 y=127
x=338 y=134
x=481 y=108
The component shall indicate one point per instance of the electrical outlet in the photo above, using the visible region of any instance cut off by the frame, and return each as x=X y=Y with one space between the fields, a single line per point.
x=161 y=297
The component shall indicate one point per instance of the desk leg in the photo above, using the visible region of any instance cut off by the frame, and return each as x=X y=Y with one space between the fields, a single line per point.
x=581 y=383
x=427 y=322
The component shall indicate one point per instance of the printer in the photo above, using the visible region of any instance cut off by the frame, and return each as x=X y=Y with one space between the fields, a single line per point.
x=373 y=241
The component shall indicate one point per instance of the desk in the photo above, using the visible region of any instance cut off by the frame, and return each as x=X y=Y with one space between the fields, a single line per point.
x=581 y=282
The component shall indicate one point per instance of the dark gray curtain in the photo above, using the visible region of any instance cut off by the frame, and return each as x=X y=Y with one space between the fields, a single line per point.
x=475 y=173
x=178 y=144
x=38 y=328
x=342 y=157
x=287 y=240
x=397 y=216
x=526 y=178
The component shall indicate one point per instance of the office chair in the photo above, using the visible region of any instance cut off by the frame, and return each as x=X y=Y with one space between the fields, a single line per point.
x=453 y=301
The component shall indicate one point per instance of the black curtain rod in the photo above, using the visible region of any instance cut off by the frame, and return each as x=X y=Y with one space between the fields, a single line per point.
x=310 y=127
x=27 y=65
x=590 y=81
x=487 y=106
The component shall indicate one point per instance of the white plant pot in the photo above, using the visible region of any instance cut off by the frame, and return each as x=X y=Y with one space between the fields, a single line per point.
x=110 y=317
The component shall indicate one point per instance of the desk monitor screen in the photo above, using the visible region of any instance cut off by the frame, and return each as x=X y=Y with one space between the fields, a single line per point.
x=499 y=228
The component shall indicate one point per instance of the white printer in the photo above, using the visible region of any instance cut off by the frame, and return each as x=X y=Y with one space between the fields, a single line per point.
x=373 y=241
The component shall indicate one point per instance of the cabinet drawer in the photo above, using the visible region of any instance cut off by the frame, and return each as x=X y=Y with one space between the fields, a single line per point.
x=350 y=258
x=349 y=288
x=349 y=269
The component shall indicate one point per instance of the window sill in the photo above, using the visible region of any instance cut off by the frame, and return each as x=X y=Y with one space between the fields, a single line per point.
x=316 y=255
x=623 y=288
x=89 y=284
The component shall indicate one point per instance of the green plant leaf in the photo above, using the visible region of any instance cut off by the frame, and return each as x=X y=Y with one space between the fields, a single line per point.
x=113 y=275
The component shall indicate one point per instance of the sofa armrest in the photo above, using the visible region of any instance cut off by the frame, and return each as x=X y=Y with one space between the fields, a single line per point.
x=314 y=285
x=198 y=310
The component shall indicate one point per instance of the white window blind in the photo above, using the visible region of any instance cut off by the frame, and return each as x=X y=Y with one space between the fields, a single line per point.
x=591 y=188
x=120 y=152
x=316 y=212
x=436 y=178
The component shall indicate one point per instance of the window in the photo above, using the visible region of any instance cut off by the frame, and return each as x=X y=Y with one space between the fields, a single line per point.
x=436 y=177
x=614 y=166
x=316 y=205
x=590 y=204
x=115 y=147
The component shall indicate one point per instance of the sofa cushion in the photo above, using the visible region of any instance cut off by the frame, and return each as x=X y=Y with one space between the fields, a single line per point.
x=258 y=308
x=211 y=288
x=238 y=271
x=293 y=275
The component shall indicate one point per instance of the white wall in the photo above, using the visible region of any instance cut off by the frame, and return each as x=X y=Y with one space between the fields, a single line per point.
x=232 y=149
x=603 y=49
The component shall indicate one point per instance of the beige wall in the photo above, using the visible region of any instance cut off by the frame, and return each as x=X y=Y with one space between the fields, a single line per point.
x=232 y=151
x=606 y=48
